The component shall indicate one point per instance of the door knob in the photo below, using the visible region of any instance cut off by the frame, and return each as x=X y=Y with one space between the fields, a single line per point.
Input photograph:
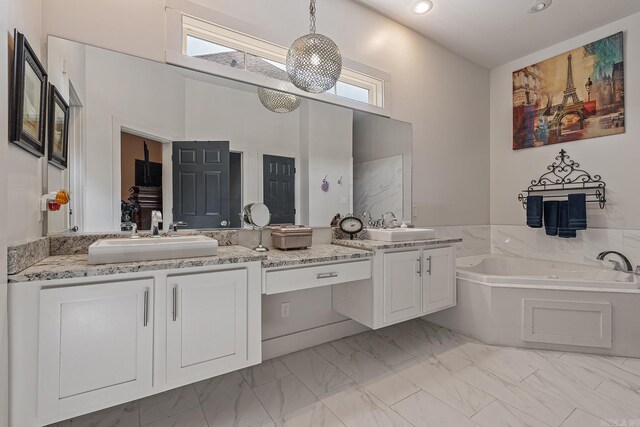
x=224 y=223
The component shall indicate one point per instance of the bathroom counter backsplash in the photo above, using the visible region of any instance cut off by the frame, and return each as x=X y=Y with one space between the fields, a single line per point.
x=58 y=267
x=24 y=255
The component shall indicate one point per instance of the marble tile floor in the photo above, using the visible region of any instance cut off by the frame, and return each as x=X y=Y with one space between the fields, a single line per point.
x=411 y=374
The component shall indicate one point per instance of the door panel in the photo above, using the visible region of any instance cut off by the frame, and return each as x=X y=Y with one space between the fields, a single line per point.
x=213 y=193
x=79 y=320
x=188 y=190
x=201 y=183
x=439 y=279
x=279 y=188
x=206 y=324
x=402 y=286
x=99 y=347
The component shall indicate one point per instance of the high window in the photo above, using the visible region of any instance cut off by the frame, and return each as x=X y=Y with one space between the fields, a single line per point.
x=221 y=45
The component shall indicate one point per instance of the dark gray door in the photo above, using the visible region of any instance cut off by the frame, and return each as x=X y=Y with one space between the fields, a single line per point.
x=279 y=190
x=201 y=183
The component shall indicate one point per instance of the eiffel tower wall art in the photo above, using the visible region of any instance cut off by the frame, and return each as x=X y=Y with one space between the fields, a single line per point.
x=573 y=96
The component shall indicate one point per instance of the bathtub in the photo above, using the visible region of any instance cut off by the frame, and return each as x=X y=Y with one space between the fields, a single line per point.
x=497 y=269
x=533 y=303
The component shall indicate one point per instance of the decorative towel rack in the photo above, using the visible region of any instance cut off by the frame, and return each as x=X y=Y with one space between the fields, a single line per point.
x=565 y=177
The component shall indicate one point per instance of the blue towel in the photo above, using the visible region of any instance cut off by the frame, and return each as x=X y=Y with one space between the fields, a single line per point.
x=534 y=211
x=551 y=217
x=578 y=211
x=563 y=221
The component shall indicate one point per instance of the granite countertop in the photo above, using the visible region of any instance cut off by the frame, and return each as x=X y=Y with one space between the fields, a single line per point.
x=316 y=253
x=372 y=245
x=74 y=266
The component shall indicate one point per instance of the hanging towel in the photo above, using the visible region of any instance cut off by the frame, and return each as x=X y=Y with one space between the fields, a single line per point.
x=551 y=217
x=578 y=211
x=563 y=221
x=534 y=211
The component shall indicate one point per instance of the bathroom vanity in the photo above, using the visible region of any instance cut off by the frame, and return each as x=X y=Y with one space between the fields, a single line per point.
x=410 y=279
x=106 y=334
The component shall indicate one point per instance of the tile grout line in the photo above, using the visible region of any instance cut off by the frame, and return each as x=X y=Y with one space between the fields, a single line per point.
x=314 y=395
x=256 y=396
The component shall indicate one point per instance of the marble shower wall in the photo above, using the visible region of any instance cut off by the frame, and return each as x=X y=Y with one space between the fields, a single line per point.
x=377 y=187
x=476 y=239
x=528 y=242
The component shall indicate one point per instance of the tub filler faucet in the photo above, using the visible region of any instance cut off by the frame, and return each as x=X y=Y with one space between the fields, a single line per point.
x=617 y=265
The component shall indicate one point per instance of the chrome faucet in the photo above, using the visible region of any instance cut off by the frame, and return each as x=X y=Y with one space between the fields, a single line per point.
x=617 y=265
x=173 y=228
x=156 y=219
x=364 y=216
x=384 y=220
x=134 y=231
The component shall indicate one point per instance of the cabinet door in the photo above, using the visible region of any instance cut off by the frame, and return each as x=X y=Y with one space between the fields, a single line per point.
x=206 y=324
x=96 y=346
x=439 y=279
x=402 y=286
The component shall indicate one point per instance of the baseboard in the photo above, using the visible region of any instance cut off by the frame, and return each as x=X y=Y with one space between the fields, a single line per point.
x=286 y=344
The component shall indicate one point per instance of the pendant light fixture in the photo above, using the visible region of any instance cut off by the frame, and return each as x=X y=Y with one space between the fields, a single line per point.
x=278 y=102
x=314 y=62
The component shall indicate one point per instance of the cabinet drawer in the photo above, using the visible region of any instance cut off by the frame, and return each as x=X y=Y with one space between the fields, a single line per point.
x=295 y=279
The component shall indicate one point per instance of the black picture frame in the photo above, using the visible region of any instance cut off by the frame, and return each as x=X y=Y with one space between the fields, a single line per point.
x=27 y=69
x=58 y=149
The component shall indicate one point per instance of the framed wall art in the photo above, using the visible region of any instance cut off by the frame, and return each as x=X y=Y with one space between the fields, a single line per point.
x=28 y=98
x=58 y=129
x=573 y=96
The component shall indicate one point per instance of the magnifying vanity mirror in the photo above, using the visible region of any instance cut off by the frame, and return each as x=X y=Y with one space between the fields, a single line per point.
x=148 y=136
x=258 y=216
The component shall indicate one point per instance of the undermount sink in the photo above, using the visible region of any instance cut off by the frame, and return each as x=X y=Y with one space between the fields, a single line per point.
x=400 y=234
x=109 y=251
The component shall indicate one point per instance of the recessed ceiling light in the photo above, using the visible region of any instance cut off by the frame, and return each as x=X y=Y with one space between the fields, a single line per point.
x=421 y=7
x=539 y=6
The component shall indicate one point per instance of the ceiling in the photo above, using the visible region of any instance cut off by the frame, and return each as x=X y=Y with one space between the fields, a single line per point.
x=494 y=32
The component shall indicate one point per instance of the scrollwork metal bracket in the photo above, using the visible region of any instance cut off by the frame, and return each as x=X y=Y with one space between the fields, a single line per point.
x=564 y=177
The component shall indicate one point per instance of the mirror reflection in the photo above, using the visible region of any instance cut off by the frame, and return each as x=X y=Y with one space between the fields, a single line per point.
x=147 y=136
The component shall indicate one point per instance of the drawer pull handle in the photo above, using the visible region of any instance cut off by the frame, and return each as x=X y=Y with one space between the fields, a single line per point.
x=146 y=308
x=326 y=275
x=419 y=261
x=429 y=270
x=175 y=303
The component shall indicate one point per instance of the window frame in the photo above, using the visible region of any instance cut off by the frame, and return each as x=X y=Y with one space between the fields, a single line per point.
x=247 y=44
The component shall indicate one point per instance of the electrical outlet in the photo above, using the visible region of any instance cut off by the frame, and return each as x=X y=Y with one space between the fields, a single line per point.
x=284 y=310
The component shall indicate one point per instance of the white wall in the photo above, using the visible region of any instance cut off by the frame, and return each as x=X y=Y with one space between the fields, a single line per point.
x=24 y=15
x=24 y=171
x=445 y=96
x=615 y=158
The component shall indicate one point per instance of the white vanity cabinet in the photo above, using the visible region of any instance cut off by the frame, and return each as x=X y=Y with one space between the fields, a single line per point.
x=407 y=283
x=96 y=344
x=207 y=325
x=84 y=344
x=402 y=285
x=438 y=279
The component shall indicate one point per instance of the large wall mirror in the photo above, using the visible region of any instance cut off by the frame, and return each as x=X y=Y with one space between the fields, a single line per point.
x=150 y=136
